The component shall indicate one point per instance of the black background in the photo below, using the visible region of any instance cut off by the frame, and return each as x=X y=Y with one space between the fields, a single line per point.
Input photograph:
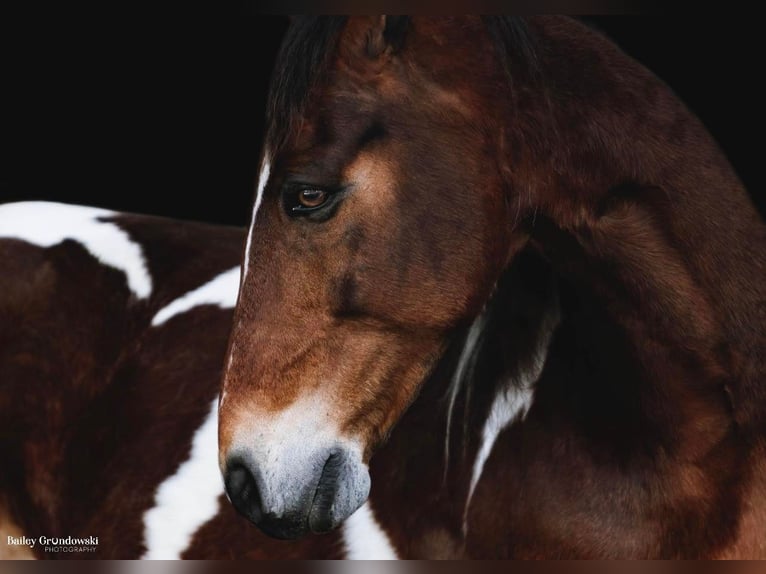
x=162 y=112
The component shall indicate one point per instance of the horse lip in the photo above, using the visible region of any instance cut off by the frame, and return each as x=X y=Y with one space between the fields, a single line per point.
x=320 y=517
x=343 y=487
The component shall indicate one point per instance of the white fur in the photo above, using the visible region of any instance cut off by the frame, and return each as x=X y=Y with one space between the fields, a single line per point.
x=285 y=447
x=46 y=224
x=365 y=539
x=263 y=179
x=465 y=365
x=221 y=290
x=187 y=499
x=511 y=402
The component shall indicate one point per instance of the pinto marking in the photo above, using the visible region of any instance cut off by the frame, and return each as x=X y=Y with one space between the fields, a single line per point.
x=365 y=539
x=511 y=403
x=263 y=179
x=188 y=499
x=46 y=224
x=221 y=290
x=465 y=365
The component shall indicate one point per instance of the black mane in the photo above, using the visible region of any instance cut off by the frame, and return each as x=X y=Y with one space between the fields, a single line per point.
x=303 y=57
x=515 y=45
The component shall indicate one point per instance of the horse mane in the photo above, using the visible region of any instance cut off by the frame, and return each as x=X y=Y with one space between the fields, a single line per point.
x=310 y=43
x=516 y=46
x=303 y=58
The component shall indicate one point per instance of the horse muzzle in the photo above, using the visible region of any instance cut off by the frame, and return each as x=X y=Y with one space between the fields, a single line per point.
x=289 y=492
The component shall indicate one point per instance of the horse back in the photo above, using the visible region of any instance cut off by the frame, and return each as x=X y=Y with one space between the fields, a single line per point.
x=109 y=378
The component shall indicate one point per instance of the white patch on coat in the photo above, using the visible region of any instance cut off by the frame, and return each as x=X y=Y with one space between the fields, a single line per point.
x=221 y=290
x=465 y=365
x=364 y=538
x=46 y=224
x=512 y=402
x=188 y=499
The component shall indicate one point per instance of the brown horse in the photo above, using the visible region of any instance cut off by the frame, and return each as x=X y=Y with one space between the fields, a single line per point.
x=496 y=265
x=599 y=396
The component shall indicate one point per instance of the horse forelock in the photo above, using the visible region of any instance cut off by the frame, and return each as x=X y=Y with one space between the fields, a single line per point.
x=303 y=59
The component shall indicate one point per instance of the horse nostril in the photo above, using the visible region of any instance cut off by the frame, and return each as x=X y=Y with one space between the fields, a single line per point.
x=243 y=491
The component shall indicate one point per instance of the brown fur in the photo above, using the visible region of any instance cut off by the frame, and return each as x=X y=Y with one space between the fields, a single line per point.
x=97 y=407
x=590 y=186
x=645 y=436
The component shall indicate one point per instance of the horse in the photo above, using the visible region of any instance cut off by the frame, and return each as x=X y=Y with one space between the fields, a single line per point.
x=113 y=334
x=501 y=290
x=637 y=289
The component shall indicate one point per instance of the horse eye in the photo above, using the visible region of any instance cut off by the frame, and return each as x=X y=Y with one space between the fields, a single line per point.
x=314 y=202
x=311 y=198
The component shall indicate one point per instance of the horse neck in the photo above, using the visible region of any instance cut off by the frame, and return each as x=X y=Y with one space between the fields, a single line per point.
x=493 y=366
x=483 y=385
x=640 y=212
x=500 y=360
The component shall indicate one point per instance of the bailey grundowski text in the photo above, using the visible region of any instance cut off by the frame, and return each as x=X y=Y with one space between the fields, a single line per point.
x=67 y=544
